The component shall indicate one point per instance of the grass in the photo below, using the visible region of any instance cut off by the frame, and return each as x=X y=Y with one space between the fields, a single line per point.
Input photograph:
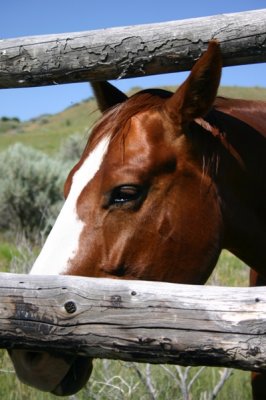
x=47 y=132
x=8 y=251
x=114 y=380
x=229 y=271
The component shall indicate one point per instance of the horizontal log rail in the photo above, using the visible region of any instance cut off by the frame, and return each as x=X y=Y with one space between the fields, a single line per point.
x=130 y=51
x=135 y=320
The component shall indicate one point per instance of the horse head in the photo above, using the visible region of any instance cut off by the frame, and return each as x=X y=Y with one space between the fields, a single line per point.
x=140 y=204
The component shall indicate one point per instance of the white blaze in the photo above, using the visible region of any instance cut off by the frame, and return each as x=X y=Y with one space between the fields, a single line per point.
x=63 y=240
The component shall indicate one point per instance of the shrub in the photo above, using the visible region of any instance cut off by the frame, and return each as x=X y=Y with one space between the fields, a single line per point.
x=6 y=119
x=8 y=124
x=72 y=147
x=30 y=189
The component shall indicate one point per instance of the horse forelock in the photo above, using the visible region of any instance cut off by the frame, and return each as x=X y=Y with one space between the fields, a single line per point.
x=114 y=121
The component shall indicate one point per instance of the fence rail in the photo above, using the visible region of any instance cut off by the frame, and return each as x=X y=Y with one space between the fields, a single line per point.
x=135 y=320
x=130 y=51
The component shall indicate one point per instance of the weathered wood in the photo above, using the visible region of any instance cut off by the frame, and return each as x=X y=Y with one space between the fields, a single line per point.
x=137 y=321
x=130 y=51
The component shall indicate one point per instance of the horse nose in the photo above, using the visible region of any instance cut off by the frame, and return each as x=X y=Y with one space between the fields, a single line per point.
x=76 y=378
x=40 y=369
x=61 y=374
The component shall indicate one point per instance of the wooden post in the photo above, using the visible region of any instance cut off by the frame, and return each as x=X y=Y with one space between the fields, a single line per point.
x=135 y=320
x=130 y=51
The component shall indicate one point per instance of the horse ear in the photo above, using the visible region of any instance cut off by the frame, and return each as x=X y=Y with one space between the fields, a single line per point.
x=195 y=97
x=107 y=95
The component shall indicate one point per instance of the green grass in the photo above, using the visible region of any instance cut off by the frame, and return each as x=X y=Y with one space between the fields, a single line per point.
x=7 y=252
x=229 y=271
x=237 y=92
x=46 y=133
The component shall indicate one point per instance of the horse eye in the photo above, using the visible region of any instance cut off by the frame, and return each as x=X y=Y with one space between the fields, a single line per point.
x=125 y=194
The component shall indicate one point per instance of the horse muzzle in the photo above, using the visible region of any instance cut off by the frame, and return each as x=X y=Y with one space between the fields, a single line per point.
x=59 y=374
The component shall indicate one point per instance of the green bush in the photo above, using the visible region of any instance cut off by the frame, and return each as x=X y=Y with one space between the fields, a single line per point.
x=9 y=124
x=6 y=119
x=31 y=186
x=72 y=147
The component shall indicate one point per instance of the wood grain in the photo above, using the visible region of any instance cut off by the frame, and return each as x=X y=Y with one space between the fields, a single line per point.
x=130 y=51
x=135 y=320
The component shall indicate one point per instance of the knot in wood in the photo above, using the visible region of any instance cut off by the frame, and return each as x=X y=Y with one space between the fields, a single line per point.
x=253 y=351
x=70 y=307
x=116 y=301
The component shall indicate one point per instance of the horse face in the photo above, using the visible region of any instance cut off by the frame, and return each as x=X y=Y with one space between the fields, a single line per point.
x=138 y=203
x=145 y=171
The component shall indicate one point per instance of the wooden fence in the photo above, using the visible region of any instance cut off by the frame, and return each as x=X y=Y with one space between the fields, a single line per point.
x=129 y=320
x=135 y=320
x=130 y=51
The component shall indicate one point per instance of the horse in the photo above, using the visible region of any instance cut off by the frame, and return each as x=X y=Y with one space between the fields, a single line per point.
x=165 y=182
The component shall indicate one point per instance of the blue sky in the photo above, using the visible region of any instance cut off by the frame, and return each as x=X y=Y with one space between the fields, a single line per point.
x=38 y=17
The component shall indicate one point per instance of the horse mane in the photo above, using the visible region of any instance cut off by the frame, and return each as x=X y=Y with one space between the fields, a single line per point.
x=248 y=111
x=235 y=127
x=210 y=132
x=115 y=119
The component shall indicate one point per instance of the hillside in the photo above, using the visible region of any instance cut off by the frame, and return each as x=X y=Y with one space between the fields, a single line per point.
x=48 y=131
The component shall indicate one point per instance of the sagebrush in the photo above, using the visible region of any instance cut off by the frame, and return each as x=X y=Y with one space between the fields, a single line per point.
x=31 y=189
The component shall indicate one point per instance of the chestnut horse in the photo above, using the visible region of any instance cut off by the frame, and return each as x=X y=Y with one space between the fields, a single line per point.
x=166 y=181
